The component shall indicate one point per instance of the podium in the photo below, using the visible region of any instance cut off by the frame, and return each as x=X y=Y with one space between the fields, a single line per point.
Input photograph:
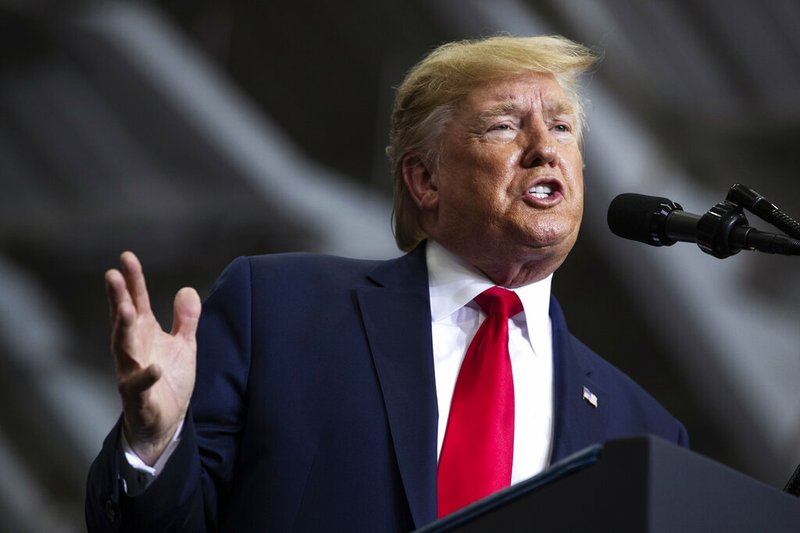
x=639 y=484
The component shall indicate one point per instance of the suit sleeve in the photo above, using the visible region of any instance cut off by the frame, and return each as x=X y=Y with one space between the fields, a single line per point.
x=192 y=490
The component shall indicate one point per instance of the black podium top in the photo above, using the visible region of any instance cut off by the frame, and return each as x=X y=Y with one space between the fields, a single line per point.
x=640 y=484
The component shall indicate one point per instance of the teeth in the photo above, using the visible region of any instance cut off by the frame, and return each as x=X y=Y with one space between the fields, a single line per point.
x=541 y=191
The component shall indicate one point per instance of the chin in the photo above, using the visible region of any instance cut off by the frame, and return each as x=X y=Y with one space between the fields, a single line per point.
x=556 y=242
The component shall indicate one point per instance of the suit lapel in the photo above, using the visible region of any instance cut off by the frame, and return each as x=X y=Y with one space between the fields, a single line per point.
x=579 y=420
x=396 y=317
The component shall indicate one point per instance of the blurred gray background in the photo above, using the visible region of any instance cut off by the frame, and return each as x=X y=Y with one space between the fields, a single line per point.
x=196 y=131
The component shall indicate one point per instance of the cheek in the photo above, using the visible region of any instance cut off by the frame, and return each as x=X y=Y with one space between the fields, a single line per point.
x=576 y=206
x=511 y=159
x=579 y=193
x=572 y=169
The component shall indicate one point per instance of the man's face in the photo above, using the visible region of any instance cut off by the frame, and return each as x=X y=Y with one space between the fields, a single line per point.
x=509 y=186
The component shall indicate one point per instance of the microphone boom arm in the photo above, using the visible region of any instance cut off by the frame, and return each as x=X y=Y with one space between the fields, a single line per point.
x=757 y=204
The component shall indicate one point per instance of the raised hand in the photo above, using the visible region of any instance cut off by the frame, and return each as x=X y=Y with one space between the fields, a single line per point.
x=155 y=368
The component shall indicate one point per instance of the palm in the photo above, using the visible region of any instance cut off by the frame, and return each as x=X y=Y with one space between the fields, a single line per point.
x=175 y=357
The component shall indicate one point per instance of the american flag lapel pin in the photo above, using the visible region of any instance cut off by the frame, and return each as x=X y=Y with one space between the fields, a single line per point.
x=590 y=397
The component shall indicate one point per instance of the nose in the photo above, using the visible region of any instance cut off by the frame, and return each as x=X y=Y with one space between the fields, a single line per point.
x=540 y=147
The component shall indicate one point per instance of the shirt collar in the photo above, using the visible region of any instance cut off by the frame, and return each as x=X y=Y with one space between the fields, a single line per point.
x=454 y=283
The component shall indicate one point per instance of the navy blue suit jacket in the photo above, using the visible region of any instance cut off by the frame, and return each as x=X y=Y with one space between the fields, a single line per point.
x=315 y=405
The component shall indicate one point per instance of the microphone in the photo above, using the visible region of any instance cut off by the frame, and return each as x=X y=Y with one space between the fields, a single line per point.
x=721 y=232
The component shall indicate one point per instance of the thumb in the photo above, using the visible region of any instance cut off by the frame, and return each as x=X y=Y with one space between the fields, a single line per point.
x=137 y=382
x=186 y=311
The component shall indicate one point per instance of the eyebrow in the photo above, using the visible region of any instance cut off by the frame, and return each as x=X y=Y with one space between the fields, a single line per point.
x=515 y=107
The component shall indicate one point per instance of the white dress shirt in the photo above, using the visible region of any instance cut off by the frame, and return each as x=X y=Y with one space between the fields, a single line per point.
x=455 y=320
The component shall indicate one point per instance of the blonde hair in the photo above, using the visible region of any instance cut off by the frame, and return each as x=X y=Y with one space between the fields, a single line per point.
x=426 y=99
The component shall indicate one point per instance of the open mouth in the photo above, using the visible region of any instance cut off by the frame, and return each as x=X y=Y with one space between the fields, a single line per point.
x=541 y=191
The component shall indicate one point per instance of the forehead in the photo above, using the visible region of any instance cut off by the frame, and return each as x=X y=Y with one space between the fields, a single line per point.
x=533 y=90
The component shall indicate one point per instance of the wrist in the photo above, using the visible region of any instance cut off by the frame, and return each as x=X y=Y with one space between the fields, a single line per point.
x=150 y=446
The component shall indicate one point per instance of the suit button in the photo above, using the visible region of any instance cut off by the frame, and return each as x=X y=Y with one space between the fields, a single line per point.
x=111 y=511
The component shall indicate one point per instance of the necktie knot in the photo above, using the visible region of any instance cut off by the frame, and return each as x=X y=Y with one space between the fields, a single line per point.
x=499 y=300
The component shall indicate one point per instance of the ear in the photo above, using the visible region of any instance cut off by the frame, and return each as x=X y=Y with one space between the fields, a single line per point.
x=420 y=182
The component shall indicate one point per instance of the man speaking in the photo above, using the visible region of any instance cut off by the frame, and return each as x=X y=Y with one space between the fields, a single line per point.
x=323 y=393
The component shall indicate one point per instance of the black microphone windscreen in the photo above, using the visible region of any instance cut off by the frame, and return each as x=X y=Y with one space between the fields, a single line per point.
x=631 y=216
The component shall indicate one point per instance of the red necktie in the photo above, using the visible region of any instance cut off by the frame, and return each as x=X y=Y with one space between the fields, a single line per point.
x=478 y=447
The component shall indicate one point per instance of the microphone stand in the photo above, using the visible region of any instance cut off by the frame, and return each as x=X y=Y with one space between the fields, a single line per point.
x=742 y=196
x=757 y=204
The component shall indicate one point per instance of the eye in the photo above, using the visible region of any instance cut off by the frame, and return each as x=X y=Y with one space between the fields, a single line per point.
x=561 y=128
x=500 y=132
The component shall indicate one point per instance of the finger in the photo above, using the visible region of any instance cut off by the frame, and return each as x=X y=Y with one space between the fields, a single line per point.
x=135 y=383
x=134 y=278
x=186 y=311
x=116 y=292
x=122 y=337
